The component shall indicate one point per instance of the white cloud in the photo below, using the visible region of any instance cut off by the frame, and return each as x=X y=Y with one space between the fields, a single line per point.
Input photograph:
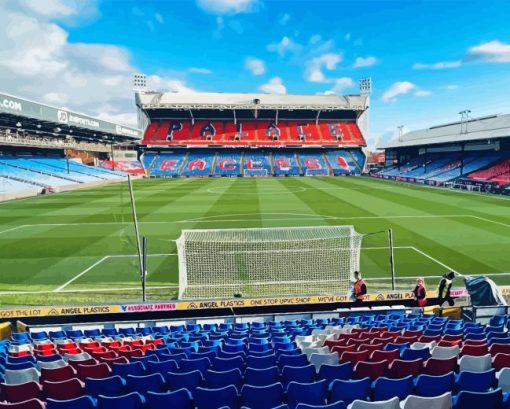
x=38 y=62
x=286 y=44
x=159 y=18
x=364 y=62
x=284 y=19
x=51 y=8
x=318 y=45
x=451 y=87
x=492 y=52
x=347 y=36
x=227 y=6
x=274 y=86
x=255 y=66
x=339 y=85
x=396 y=89
x=315 y=66
x=199 y=70
x=441 y=65
x=423 y=93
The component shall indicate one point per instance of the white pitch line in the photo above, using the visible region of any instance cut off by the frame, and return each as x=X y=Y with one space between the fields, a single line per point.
x=434 y=259
x=491 y=221
x=80 y=274
x=15 y=228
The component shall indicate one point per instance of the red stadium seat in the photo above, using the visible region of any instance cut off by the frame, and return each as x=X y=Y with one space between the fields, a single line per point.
x=29 y=404
x=475 y=350
x=358 y=342
x=372 y=370
x=501 y=361
x=400 y=368
x=57 y=374
x=426 y=339
x=20 y=392
x=341 y=349
x=370 y=347
x=354 y=357
x=69 y=389
x=101 y=370
x=437 y=366
x=495 y=349
x=388 y=356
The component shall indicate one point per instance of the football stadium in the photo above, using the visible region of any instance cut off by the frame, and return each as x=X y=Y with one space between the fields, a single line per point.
x=234 y=246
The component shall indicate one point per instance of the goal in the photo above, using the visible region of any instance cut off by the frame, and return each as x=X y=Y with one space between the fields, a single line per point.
x=221 y=263
x=254 y=172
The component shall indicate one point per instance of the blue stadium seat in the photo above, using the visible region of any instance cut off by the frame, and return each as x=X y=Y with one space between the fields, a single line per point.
x=262 y=397
x=188 y=365
x=332 y=372
x=161 y=366
x=430 y=385
x=112 y=386
x=260 y=362
x=83 y=402
x=180 y=399
x=477 y=400
x=188 y=380
x=132 y=400
x=314 y=393
x=411 y=354
x=145 y=383
x=349 y=390
x=215 y=379
x=216 y=398
x=292 y=360
x=132 y=368
x=335 y=405
x=261 y=377
x=387 y=388
x=301 y=374
x=225 y=364
x=475 y=381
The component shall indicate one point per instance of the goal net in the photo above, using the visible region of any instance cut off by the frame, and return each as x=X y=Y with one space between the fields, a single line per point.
x=255 y=172
x=219 y=263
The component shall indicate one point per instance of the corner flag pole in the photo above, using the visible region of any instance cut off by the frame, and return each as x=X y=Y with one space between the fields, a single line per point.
x=137 y=234
x=392 y=260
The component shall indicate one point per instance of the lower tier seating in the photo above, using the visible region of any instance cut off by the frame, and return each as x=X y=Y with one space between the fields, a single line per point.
x=389 y=360
x=284 y=162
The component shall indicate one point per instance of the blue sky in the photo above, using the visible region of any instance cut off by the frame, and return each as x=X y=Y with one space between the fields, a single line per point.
x=428 y=59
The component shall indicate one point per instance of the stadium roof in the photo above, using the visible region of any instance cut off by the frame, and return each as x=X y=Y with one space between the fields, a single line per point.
x=474 y=129
x=154 y=100
x=37 y=114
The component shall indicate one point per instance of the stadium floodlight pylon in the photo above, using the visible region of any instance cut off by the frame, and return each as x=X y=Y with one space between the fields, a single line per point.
x=221 y=263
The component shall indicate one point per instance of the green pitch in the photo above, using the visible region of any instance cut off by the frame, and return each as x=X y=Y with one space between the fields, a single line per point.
x=79 y=247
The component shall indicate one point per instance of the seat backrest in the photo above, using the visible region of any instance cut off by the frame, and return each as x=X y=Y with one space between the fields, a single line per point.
x=490 y=399
x=68 y=389
x=111 y=386
x=445 y=352
x=386 y=388
x=189 y=380
x=20 y=392
x=349 y=390
x=82 y=402
x=57 y=374
x=313 y=393
x=29 y=404
x=475 y=363
x=208 y=398
x=431 y=385
x=475 y=381
x=131 y=400
x=21 y=376
x=392 y=403
x=261 y=377
x=179 y=399
x=261 y=397
x=303 y=374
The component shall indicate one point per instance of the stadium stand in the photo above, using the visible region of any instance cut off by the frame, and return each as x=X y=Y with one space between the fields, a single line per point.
x=353 y=360
x=228 y=162
x=46 y=172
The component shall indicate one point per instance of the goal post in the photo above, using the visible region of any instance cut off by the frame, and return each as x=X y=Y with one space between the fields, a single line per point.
x=221 y=263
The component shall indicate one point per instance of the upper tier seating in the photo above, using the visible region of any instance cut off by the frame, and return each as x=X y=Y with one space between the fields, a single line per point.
x=260 y=364
x=265 y=133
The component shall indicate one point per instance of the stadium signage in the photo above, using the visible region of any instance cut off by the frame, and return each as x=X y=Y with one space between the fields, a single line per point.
x=66 y=117
x=11 y=105
x=121 y=130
